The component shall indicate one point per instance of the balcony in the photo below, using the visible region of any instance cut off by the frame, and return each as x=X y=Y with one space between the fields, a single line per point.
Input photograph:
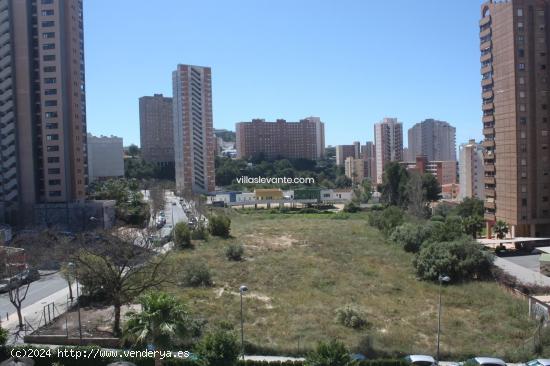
x=490 y=205
x=488 y=106
x=489 y=131
x=485 y=45
x=486 y=82
x=485 y=33
x=488 y=143
x=490 y=192
x=486 y=119
x=487 y=95
x=489 y=180
x=490 y=168
x=486 y=57
x=487 y=68
x=484 y=21
x=489 y=216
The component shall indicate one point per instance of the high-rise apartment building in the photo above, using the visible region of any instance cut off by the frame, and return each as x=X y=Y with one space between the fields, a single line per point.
x=105 y=157
x=156 y=126
x=345 y=151
x=42 y=104
x=356 y=169
x=471 y=170
x=193 y=131
x=515 y=86
x=388 y=136
x=434 y=139
x=368 y=153
x=281 y=139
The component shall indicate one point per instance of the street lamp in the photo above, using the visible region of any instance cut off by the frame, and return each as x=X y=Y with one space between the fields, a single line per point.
x=441 y=279
x=242 y=290
x=72 y=265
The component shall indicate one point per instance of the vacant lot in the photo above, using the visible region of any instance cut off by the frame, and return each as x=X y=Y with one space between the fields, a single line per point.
x=301 y=268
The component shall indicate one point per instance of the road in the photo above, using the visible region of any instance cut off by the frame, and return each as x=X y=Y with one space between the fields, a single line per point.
x=531 y=261
x=172 y=210
x=38 y=290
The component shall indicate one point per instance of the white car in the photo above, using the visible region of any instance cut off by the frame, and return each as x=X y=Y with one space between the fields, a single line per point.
x=420 y=360
x=539 y=362
x=483 y=361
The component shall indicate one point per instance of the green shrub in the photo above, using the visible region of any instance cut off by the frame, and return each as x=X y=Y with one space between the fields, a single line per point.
x=219 y=225
x=218 y=348
x=182 y=236
x=351 y=207
x=200 y=232
x=461 y=259
x=196 y=274
x=351 y=317
x=333 y=353
x=387 y=219
x=4 y=334
x=234 y=252
x=410 y=236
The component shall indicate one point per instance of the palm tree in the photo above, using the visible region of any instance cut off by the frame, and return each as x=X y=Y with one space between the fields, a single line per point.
x=500 y=229
x=162 y=322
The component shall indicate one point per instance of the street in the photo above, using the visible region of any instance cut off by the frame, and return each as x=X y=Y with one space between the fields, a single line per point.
x=174 y=213
x=38 y=290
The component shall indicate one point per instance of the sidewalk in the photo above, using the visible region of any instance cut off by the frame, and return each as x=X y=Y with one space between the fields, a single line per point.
x=33 y=314
x=523 y=274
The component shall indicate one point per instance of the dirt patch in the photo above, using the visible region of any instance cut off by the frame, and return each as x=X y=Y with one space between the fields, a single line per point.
x=266 y=242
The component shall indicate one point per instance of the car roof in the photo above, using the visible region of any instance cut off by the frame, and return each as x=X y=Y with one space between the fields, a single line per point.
x=425 y=358
x=543 y=361
x=492 y=360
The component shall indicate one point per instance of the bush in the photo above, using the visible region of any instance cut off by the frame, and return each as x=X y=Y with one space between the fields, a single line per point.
x=4 y=334
x=234 y=252
x=410 y=236
x=450 y=230
x=219 y=225
x=461 y=260
x=196 y=274
x=351 y=317
x=200 y=232
x=333 y=353
x=182 y=236
x=218 y=348
x=351 y=207
x=386 y=220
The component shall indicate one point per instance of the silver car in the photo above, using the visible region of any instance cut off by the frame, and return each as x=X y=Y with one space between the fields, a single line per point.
x=420 y=360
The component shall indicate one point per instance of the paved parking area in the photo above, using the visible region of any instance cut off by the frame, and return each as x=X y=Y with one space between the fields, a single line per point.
x=526 y=261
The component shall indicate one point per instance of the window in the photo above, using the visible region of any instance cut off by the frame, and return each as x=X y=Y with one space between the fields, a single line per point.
x=522 y=134
x=522 y=107
x=524 y=202
x=53 y=159
x=544 y=106
x=54 y=182
x=520 y=26
x=521 y=38
x=52 y=148
x=521 y=66
x=50 y=103
x=521 y=80
x=51 y=114
x=55 y=193
x=524 y=174
x=520 y=12
x=540 y=13
x=48 y=23
x=544 y=133
x=54 y=137
x=51 y=126
x=46 y=2
x=54 y=171
x=523 y=162
x=523 y=189
x=521 y=94
x=47 y=12
x=50 y=91
x=48 y=57
x=49 y=69
x=521 y=52
x=48 y=35
x=50 y=80
x=48 y=46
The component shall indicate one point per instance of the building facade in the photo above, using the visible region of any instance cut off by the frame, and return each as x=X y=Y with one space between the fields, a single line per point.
x=515 y=105
x=471 y=170
x=42 y=105
x=156 y=127
x=388 y=136
x=281 y=139
x=434 y=139
x=357 y=170
x=193 y=129
x=105 y=157
x=345 y=151
x=446 y=172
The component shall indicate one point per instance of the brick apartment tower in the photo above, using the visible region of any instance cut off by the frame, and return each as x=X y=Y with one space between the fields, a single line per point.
x=515 y=92
x=42 y=104
x=293 y=140
x=388 y=136
x=193 y=132
x=156 y=126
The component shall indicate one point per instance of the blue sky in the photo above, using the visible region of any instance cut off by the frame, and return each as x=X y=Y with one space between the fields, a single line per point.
x=350 y=62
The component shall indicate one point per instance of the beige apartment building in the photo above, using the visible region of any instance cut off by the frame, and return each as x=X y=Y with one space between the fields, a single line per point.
x=345 y=151
x=471 y=170
x=357 y=170
x=281 y=139
x=42 y=105
x=194 y=149
x=388 y=136
x=515 y=104
x=156 y=127
x=432 y=138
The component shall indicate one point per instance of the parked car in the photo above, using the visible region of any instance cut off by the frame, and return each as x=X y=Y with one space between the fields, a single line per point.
x=27 y=276
x=420 y=360
x=483 y=361
x=539 y=362
x=7 y=284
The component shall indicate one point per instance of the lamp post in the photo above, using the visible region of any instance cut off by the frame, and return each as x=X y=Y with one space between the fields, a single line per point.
x=72 y=265
x=242 y=290
x=441 y=280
